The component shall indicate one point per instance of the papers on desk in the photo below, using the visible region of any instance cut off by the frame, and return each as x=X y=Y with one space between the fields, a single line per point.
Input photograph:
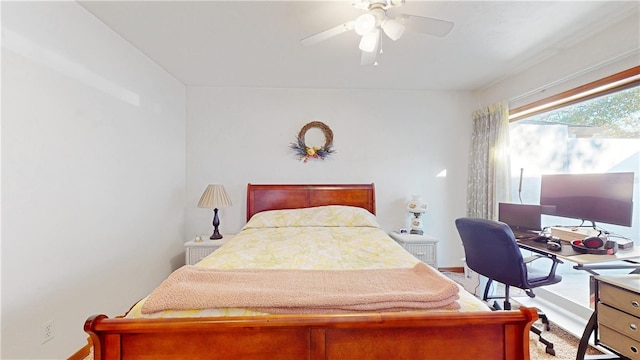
x=573 y=233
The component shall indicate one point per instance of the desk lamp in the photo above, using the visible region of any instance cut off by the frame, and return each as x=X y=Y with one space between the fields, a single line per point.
x=214 y=197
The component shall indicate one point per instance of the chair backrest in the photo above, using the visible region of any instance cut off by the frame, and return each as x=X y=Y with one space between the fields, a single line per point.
x=491 y=250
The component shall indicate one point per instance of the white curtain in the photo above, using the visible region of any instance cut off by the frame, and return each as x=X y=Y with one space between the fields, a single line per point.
x=489 y=169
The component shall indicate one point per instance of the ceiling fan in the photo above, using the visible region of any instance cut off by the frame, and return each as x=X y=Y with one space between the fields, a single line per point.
x=375 y=21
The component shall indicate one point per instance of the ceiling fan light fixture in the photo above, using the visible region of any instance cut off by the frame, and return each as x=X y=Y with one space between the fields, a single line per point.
x=369 y=41
x=374 y=21
x=364 y=24
x=393 y=29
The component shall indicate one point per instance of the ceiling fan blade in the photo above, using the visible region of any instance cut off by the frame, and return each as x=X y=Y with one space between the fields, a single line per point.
x=326 y=34
x=426 y=25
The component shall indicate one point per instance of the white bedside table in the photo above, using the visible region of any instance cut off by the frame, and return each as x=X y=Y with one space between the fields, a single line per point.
x=196 y=251
x=421 y=246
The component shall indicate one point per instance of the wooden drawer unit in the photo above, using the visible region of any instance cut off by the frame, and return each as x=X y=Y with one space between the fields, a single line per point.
x=620 y=299
x=619 y=321
x=622 y=344
x=618 y=314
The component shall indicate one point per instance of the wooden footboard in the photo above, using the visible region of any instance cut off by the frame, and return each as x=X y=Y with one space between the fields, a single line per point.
x=472 y=335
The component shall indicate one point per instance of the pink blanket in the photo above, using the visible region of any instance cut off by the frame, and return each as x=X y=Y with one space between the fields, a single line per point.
x=279 y=291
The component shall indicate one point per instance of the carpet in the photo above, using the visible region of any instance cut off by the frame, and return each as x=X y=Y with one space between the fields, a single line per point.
x=564 y=344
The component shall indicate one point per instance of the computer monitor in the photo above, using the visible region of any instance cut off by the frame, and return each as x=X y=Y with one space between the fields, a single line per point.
x=606 y=197
x=520 y=217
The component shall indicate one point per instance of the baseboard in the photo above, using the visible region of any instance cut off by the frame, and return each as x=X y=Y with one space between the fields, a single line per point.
x=458 y=269
x=83 y=352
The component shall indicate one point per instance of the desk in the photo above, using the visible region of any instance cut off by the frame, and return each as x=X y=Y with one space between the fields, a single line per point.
x=588 y=262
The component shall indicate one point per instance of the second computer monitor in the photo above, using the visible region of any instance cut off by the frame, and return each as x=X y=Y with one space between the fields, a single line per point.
x=520 y=217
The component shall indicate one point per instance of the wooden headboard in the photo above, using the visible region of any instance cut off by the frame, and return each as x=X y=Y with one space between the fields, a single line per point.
x=275 y=197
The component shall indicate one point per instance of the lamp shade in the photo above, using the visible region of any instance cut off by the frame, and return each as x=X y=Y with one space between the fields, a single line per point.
x=416 y=205
x=364 y=24
x=369 y=41
x=214 y=196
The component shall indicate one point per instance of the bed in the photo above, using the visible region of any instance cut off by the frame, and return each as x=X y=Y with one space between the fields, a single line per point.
x=449 y=329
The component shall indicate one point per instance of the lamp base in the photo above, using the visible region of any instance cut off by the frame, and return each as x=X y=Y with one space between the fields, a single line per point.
x=216 y=222
x=416 y=224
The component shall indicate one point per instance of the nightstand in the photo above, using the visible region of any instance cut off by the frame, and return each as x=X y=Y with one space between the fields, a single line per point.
x=196 y=251
x=421 y=246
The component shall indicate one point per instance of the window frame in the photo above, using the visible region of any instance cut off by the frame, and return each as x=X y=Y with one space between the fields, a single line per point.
x=616 y=82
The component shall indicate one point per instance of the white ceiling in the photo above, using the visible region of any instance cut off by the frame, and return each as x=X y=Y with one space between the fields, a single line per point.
x=257 y=43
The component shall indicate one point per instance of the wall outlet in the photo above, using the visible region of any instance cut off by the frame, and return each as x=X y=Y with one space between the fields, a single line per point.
x=48 y=331
x=468 y=273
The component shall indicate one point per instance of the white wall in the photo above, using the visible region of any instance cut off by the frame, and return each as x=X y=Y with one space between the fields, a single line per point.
x=399 y=140
x=93 y=175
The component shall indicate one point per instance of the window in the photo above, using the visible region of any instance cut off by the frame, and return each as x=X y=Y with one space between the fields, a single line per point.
x=582 y=131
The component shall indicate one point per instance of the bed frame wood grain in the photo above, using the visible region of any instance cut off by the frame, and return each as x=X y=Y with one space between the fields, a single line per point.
x=405 y=335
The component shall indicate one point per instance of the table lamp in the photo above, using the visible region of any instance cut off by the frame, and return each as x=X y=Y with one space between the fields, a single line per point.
x=214 y=197
x=416 y=207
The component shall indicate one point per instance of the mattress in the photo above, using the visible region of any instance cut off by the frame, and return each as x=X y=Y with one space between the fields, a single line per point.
x=321 y=238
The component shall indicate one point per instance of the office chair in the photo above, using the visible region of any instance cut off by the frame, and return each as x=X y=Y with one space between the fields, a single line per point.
x=491 y=250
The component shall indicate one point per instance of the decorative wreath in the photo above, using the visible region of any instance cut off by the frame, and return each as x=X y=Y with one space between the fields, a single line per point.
x=305 y=152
